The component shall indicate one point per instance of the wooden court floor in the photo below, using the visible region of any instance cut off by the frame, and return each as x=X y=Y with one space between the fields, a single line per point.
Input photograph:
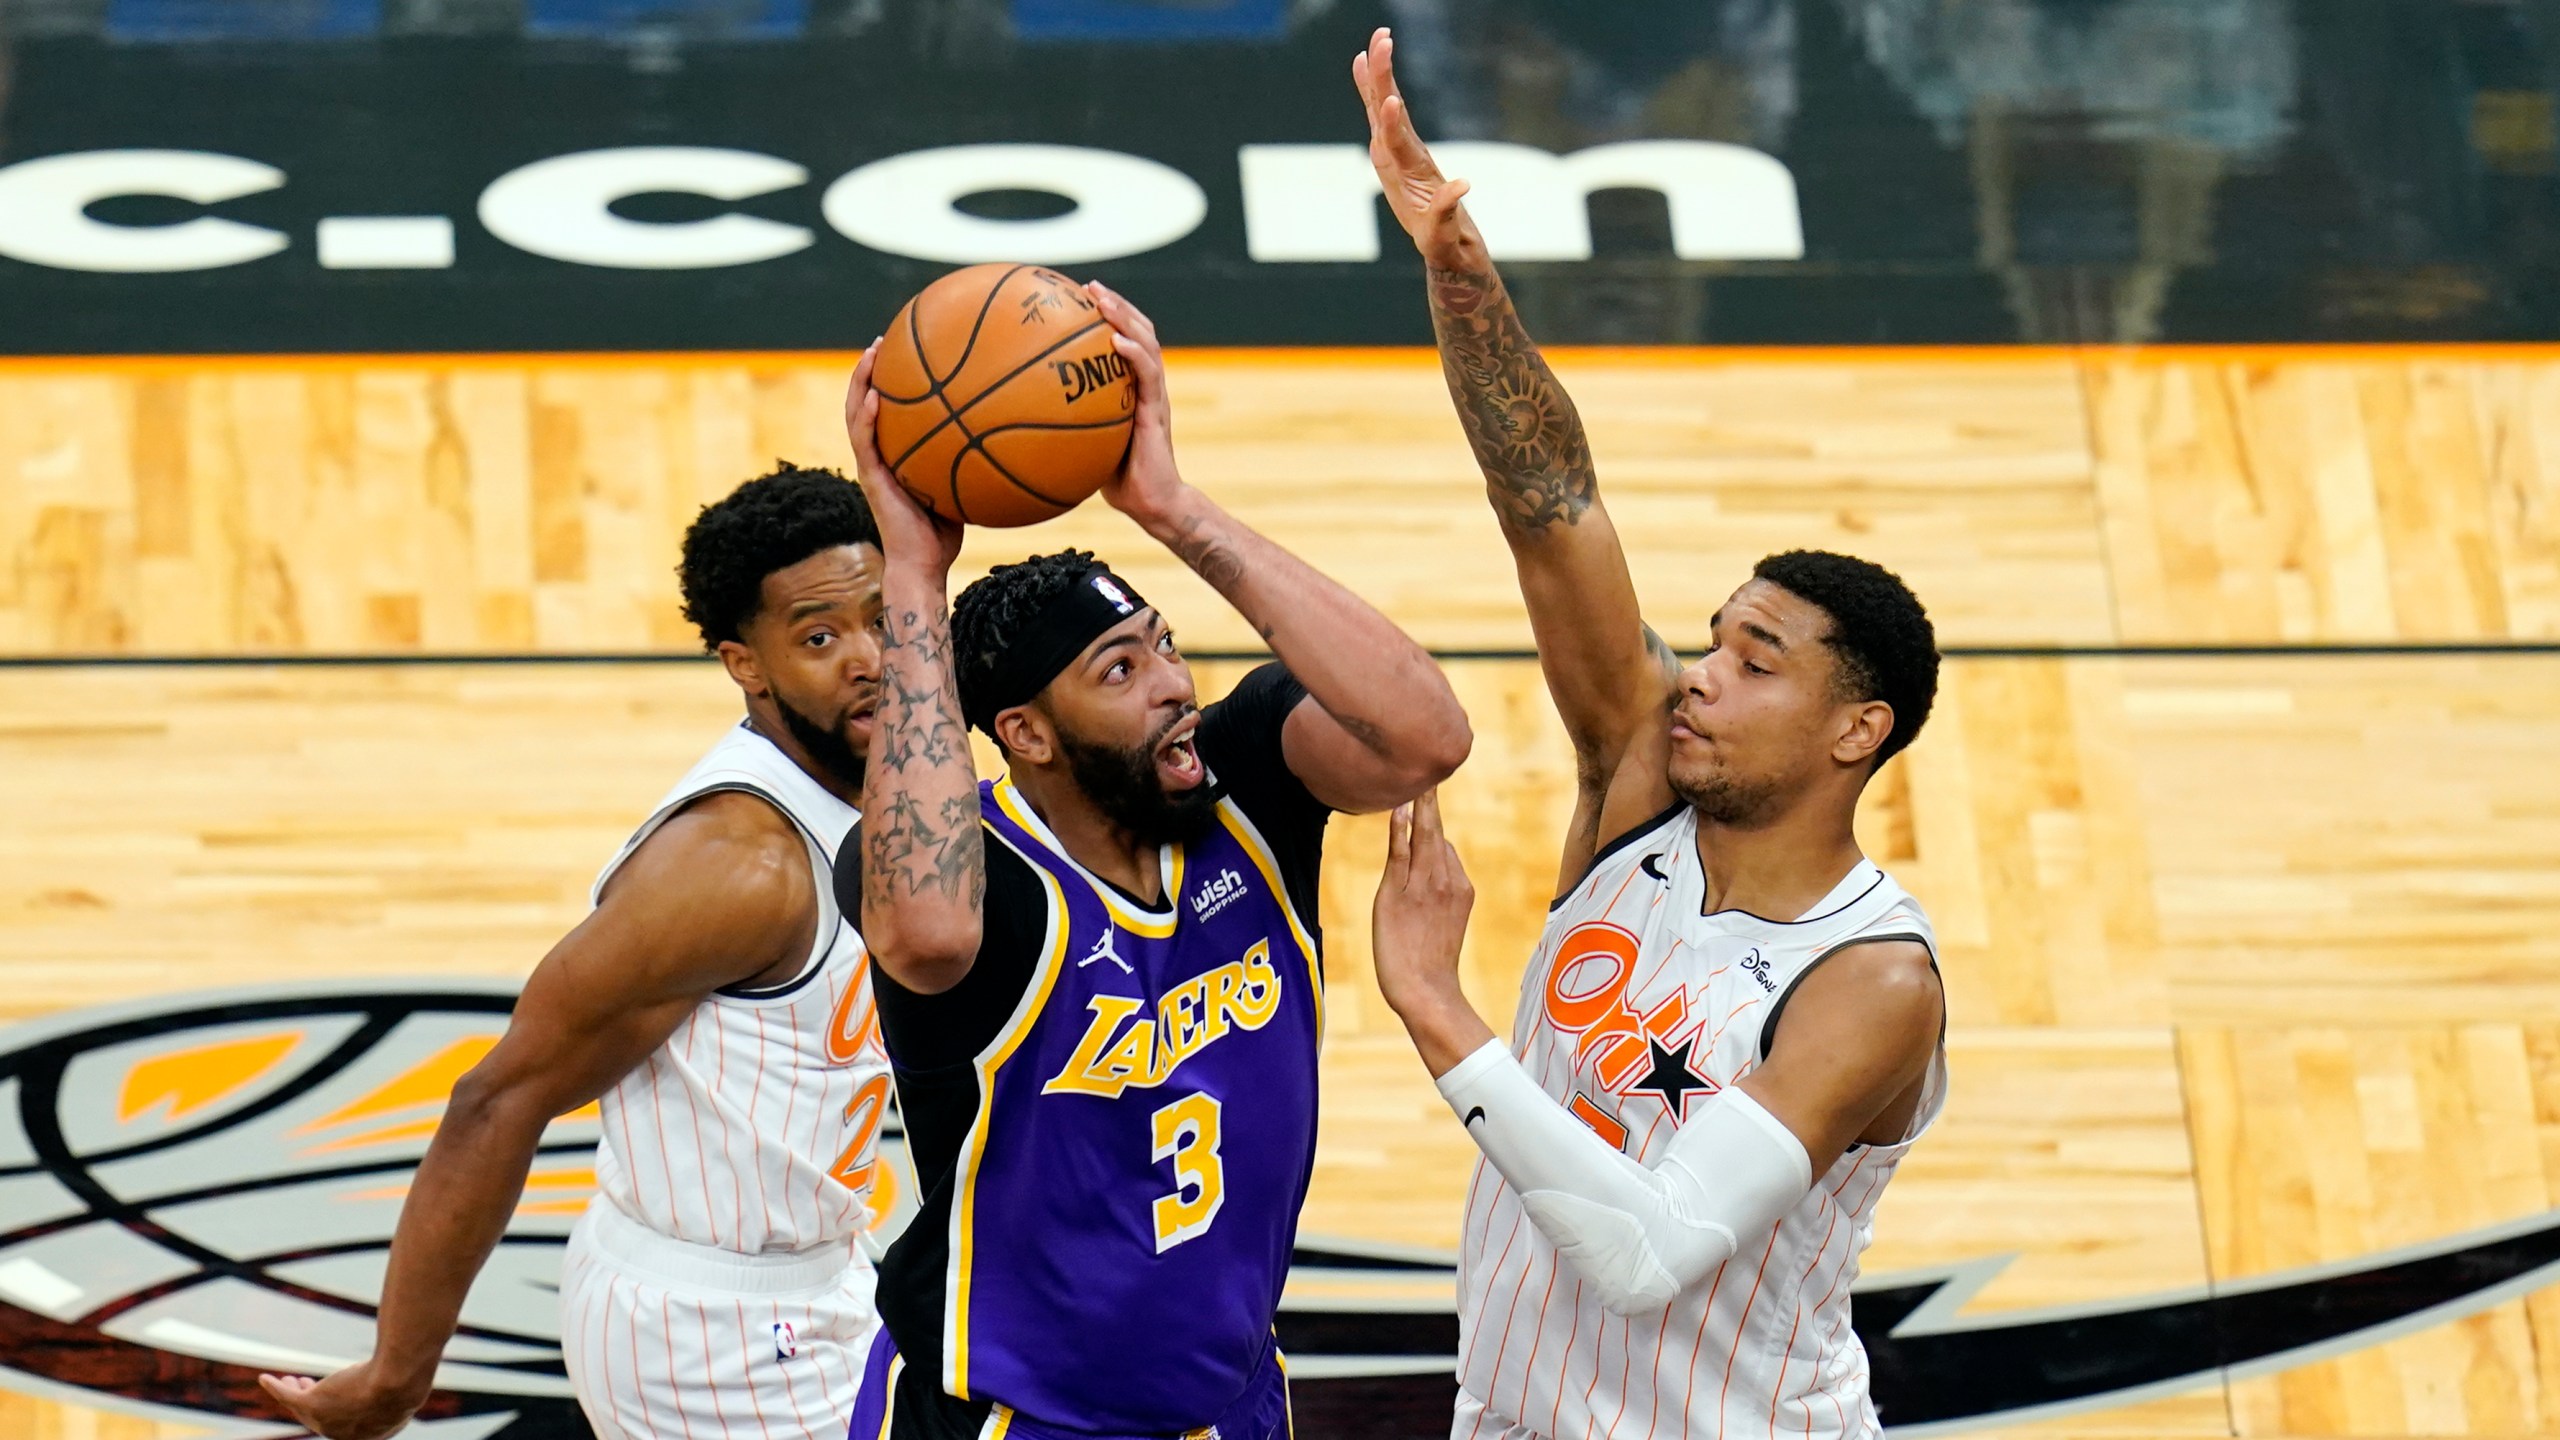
x=2251 y=956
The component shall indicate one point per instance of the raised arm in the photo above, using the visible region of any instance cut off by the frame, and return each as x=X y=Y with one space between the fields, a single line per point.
x=1380 y=724
x=721 y=895
x=1610 y=677
x=924 y=863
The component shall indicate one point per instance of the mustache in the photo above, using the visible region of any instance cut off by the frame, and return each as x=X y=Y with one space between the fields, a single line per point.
x=1157 y=736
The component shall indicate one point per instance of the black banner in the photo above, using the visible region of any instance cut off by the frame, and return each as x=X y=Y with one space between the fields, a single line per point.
x=1742 y=171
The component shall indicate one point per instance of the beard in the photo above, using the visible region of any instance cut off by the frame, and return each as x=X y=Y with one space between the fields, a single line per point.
x=1122 y=784
x=1725 y=799
x=828 y=748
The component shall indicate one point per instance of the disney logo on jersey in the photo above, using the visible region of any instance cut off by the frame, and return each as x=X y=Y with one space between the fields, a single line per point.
x=1756 y=965
x=1618 y=1049
x=1222 y=890
x=1121 y=1047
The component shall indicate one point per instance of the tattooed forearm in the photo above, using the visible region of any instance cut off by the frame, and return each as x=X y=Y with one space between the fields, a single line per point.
x=905 y=852
x=1208 y=556
x=1526 y=434
x=921 y=832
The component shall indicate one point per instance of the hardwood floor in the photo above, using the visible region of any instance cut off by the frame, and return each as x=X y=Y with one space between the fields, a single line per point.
x=2254 y=960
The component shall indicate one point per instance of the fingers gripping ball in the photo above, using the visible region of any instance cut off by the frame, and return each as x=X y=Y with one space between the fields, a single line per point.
x=1002 y=401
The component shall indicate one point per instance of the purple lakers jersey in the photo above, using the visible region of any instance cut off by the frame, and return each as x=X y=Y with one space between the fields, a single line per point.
x=1125 y=1198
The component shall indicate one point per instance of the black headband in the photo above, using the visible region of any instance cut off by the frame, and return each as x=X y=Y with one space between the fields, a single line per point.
x=993 y=684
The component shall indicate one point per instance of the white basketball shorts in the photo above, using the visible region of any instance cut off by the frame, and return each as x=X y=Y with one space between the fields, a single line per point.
x=666 y=1338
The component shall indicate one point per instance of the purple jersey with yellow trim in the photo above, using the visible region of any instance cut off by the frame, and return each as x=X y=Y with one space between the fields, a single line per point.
x=1127 y=1195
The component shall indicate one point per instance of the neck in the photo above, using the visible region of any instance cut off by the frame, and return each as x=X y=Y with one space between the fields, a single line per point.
x=1091 y=839
x=767 y=722
x=1781 y=869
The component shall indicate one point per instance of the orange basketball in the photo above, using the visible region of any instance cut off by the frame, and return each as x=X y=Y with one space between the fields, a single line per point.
x=1002 y=401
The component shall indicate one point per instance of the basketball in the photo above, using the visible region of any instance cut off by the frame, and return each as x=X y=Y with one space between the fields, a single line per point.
x=1002 y=401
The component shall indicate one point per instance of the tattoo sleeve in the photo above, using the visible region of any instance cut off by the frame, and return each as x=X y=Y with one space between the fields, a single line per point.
x=1526 y=434
x=921 y=831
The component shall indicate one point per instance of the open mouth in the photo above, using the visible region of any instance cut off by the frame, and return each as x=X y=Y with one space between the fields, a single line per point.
x=1178 y=757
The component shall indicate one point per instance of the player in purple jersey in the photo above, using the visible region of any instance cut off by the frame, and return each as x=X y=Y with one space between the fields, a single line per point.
x=1099 y=977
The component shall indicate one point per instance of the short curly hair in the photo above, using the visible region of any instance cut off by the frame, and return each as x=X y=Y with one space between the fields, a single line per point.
x=996 y=608
x=1887 y=648
x=770 y=523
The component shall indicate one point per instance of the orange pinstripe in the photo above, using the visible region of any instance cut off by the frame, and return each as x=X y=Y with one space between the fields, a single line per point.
x=1748 y=1305
x=1529 y=1366
x=1478 y=1336
x=753 y=1403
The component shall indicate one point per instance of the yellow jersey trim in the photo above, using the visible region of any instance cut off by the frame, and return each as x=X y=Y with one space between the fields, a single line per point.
x=889 y=1381
x=964 y=1206
x=1263 y=860
x=1127 y=916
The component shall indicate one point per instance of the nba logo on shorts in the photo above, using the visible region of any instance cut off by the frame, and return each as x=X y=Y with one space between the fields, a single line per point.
x=786 y=1343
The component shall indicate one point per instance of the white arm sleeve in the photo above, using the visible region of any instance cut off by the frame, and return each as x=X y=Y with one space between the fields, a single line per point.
x=1639 y=1236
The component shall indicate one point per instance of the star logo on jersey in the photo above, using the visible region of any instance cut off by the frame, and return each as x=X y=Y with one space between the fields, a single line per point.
x=1674 y=1078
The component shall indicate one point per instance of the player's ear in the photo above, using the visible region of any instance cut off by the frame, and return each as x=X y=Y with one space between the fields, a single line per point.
x=1025 y=734
x=743 y=667
x=1868 y=723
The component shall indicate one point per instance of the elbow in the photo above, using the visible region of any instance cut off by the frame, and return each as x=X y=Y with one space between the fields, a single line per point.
x=1436 y=752
x=929 y=959
x=484 y=1100
x=1444 y=747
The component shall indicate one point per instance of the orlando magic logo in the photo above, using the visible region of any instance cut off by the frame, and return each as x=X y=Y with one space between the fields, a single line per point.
x=198 y=1188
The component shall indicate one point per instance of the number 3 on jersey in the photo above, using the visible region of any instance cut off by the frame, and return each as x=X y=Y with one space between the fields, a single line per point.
x=1186 y=1133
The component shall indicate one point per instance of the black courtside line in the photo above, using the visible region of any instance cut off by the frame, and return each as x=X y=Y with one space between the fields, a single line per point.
x=2522 y=648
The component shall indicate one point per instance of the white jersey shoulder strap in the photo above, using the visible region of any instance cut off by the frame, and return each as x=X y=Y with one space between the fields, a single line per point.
x=1613 y=860
x=746 y=761
x=1876 y=910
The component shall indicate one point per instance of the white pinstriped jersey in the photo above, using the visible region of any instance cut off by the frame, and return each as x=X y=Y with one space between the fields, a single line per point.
x=1636 y=1007
x=755 y=1128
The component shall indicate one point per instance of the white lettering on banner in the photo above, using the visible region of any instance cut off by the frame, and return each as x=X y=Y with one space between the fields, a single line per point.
x=907 y=204
x=44 y=205
x=560 y=208
x=1307 y=203
x=1302 y=204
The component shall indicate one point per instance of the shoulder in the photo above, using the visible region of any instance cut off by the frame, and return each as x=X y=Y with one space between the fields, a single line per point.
x=731 y=849
x=1877 y=985
x=1257 y=707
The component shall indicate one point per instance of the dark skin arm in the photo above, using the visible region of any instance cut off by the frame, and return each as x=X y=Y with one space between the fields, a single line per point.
x=1380 y=724
x=1845 y=1066
x=924 y=862
x=721 y=895
x=1609 y=676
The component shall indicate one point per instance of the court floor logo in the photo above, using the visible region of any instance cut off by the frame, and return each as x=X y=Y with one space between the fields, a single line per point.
x=196 y=1189
x=200 y=1187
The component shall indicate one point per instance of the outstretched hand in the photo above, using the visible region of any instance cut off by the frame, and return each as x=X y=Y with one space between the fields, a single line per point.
x=345 y=1406
x=1425 y=202
x=909 y=533
x=1418 y=922
x=1148 y=482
